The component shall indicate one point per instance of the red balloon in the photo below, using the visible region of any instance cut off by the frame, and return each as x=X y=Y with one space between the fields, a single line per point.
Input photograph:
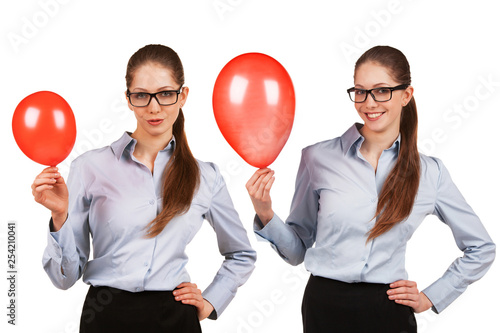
x=44 y=127
x=254 y=106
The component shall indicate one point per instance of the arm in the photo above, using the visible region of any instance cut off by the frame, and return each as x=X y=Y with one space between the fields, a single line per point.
x=239 y=257
x=290 y=240
x=470 y=236
x=68 y=244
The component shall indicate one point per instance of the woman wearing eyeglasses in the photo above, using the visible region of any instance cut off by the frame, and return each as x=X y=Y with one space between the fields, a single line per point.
x=142 y=199
x=358 y=199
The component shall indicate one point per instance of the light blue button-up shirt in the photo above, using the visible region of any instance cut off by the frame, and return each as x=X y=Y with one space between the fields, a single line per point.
x=113 y=197
x=333 y=210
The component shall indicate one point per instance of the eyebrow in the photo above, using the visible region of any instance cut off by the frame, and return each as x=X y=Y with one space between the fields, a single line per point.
x=378 y=85
x=157 y=90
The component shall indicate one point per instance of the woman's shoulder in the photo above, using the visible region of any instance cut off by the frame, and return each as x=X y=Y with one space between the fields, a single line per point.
x=97 y=155
x=432 y=169
x=430 y=163
x=319 y=149
x=209 y=171
x=106 y=154
x=211 y=178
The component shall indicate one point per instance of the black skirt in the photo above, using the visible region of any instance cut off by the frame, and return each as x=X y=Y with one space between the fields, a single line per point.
x=109 y=310
x=331 y=306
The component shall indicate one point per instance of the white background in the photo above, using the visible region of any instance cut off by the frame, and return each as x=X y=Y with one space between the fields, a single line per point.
x=79 y=49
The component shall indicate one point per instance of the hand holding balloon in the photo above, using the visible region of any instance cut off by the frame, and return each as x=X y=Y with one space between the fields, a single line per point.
x=254 y=106
x=44 y=127
x=50 y=190
x=259 y=188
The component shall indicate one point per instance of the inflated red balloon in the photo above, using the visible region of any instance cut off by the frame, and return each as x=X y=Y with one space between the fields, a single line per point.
x=254 y=106
x=44 y=127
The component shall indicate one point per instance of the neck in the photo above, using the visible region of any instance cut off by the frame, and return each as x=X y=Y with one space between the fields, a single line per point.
x=378 y=142
x=148 y=146
x=375 y=143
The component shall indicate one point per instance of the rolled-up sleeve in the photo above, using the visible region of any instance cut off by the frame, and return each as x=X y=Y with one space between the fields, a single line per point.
x=234 y=245
x=471 y=238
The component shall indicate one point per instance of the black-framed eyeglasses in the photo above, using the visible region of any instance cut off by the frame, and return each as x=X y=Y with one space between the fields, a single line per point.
x=380 y=94
x=164 y=98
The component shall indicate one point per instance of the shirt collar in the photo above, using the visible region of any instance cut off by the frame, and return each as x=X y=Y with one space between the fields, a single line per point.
x=127 y=143
x=352 y=137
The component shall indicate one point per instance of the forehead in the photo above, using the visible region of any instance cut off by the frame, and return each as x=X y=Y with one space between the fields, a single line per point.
x=371 y=74
x=152 y=76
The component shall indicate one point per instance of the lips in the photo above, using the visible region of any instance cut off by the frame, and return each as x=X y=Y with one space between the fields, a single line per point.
x=155 y=122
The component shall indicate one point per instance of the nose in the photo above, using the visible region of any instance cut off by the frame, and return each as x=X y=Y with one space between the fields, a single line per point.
x=154 y=106
x=370 y=101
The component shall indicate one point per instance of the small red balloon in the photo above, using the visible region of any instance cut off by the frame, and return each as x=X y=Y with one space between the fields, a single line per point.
x=44 y=127
x=254 y=106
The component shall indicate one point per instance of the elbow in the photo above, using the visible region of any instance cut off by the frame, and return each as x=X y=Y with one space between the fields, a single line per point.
x=489 y=252
x=61 y=281
x=251 y=258
x=294 y=260
x=63 y=284
x=58 y=277
x=293 y=257
x=493 y=252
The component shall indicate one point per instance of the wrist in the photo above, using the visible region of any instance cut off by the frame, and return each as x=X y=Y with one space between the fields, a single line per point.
x=425 y=302
x=207 y=309
x=58 y=220
x=265 y=217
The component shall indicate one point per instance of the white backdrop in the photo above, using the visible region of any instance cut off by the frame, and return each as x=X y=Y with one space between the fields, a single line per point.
x=79 y=49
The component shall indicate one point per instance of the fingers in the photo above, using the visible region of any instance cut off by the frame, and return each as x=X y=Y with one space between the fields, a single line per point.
x=404 y=292
x=46 y=179
x=403 y=283
x=251 y=182
x=259 y=185
x=188 y=293
x=257 y=174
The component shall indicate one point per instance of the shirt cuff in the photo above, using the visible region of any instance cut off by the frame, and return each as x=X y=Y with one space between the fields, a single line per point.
x=441 y=293
x=265 y=233
x=275 y=232
x=219 y=295
x=58 y=240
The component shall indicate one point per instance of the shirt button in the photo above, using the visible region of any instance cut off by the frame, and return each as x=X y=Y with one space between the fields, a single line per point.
x=145 y=264
x=374 y=200
x=151 y=202
x=137 y=289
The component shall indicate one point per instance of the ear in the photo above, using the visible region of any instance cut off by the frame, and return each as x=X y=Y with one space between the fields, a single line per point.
x=407 y=95
x=128 y=102
x=183 y=96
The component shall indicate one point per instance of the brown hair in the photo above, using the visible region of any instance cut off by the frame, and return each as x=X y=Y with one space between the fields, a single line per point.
x=400 y=188
x=182 y=174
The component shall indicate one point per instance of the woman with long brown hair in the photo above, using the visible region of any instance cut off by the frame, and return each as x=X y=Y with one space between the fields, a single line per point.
x=358 y=199
x=142 y=199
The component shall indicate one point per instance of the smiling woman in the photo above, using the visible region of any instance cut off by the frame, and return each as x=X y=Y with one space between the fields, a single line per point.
x=358 y=200
x=142 y=199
